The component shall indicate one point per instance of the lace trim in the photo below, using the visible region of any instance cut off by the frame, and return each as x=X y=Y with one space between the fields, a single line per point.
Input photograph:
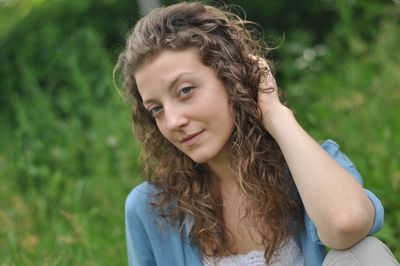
x=289 y=255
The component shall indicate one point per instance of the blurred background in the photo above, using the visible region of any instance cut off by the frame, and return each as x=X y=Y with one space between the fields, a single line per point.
x=68 y=157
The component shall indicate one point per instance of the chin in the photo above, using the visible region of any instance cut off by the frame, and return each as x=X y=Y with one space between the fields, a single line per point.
x=207 y=154
x=200 y=158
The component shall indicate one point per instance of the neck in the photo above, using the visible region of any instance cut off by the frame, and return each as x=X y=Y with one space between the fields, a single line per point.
x=220 y=169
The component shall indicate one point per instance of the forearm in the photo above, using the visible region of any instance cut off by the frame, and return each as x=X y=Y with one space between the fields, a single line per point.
x=334 y=200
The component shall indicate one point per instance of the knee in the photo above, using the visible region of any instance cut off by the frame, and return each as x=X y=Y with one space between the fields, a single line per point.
x=369 y=251
x=369 y=243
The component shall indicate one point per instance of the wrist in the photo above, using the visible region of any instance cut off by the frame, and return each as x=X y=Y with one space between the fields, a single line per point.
x=277 y=117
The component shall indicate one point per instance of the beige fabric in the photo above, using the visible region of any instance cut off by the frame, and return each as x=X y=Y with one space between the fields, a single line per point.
x=368 y=252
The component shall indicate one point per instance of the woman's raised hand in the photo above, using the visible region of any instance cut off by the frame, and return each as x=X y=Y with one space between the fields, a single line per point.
x=268 y=96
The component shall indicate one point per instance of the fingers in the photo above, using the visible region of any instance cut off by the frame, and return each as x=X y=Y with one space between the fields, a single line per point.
x=268 y=82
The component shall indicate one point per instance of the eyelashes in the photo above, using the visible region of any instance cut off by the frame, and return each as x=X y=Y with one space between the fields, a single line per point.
x=185 y=91
x=183 y=94
x=154 y=111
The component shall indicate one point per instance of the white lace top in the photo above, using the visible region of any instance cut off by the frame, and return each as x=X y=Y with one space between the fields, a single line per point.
x=289 y=255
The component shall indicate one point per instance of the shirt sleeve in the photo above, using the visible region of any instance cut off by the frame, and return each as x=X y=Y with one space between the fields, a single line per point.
x=332 y=148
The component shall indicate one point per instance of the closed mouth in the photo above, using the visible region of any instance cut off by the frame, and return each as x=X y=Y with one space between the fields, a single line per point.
x=191 y=136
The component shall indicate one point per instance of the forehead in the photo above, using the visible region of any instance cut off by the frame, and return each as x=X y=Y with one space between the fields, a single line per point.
x=161 y=70
x=168 y=60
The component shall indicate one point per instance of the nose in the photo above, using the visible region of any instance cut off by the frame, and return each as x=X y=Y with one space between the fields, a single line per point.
x=175 y=118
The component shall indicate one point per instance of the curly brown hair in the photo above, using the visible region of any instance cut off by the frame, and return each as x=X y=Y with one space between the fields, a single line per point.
x=186 y=188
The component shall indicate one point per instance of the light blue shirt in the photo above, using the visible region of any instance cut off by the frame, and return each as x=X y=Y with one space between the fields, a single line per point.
x=152 y=243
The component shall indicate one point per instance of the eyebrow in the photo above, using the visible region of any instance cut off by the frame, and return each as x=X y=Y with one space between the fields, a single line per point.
x=172 y=84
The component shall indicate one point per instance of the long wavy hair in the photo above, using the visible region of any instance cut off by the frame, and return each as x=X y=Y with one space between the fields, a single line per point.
x=185 y=187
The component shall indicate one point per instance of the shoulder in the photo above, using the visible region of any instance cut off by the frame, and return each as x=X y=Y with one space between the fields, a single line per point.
x=139 y=199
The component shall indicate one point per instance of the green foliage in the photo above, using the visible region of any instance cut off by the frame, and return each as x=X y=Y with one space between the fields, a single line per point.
x=67 y=156
x=354 y=98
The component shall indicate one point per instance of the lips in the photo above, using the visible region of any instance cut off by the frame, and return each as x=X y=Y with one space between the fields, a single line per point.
x=191 y=139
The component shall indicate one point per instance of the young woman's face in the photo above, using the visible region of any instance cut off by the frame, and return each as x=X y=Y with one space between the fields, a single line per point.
x=189 y=103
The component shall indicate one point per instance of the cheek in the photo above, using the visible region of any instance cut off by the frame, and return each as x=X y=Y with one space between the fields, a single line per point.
x=223 y=111
x=164 y=132
x=229 y=118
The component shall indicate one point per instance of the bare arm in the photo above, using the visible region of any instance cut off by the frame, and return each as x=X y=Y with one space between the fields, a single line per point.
x=334 y=200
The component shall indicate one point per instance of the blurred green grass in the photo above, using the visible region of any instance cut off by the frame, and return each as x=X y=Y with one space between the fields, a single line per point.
x=67 y=154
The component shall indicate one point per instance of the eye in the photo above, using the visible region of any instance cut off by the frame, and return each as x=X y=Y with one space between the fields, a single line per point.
x=186 y=90
x=154 y=111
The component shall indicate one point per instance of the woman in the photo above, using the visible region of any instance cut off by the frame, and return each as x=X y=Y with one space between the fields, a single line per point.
x=231 y=176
